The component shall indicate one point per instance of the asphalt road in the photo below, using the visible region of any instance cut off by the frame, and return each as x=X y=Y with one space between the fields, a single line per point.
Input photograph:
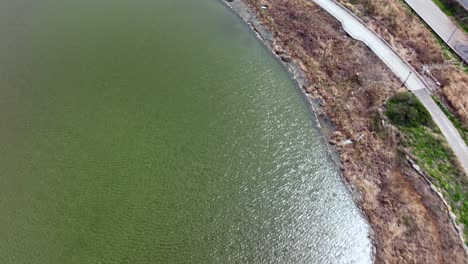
x=358 y=30
x=447 y=30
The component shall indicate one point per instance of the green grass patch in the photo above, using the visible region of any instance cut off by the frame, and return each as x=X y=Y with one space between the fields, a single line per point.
x=425 y=141
x=404 y=109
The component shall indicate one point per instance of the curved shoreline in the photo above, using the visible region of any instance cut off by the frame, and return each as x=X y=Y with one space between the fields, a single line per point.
x=294 y=70
x=247 y=13
x=323 y=122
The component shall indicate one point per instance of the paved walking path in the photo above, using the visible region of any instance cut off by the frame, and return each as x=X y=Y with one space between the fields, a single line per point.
x=442 y=25
x=358 y=30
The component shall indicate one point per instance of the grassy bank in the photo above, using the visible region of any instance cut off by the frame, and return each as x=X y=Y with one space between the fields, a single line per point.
x=424 y=140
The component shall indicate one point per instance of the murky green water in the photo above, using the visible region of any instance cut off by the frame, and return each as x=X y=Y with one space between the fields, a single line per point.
x=159 y=131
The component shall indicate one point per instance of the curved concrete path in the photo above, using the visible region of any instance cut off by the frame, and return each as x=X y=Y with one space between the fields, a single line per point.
x=358 y=30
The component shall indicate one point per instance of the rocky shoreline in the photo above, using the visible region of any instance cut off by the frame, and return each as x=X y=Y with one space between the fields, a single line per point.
x=370 y=197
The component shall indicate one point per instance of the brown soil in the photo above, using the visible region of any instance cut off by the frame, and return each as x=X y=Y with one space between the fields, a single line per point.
x=410 y=222
x=416 y=43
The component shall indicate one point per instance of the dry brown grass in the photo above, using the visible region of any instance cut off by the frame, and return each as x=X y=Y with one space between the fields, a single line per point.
x=414 y=42
x=455 y=90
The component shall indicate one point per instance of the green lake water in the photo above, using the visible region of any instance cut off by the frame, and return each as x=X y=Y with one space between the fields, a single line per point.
x=159 y=131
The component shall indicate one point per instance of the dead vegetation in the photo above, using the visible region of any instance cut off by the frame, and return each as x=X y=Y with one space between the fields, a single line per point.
x=410 y=222
x=396 y=23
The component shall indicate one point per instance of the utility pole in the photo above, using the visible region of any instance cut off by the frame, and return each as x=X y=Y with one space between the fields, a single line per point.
x=406 y=79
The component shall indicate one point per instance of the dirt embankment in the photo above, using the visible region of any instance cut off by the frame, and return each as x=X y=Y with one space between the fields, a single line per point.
x=410 y=222
x=415 y=43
